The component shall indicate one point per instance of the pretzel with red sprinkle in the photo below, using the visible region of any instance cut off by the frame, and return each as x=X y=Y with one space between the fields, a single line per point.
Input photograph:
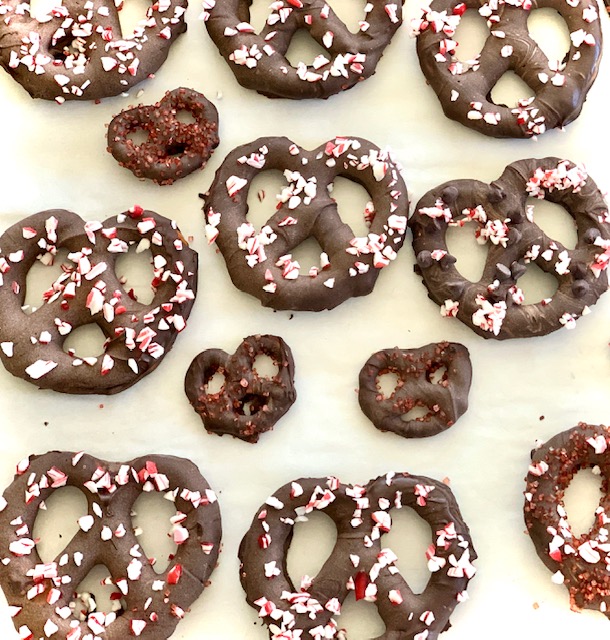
x=173 y=149
x=560 y=86
x=267 y=398
x=358 y=563
x=495 y=306
x=88 y=290
x=578 y=562
x=445 y=400
x=259 y=61
x=39 y=594
x=260 y=260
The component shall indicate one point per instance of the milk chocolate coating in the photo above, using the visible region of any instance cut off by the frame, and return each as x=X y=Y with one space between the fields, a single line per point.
x=493 y=307
x=259 y=61
x=62 y=62
x=581 y=562
x=173 y=149
x=154 y=602
x=446 y=400
x=359 y=562
x=260 y=261
x=268 y=398
x=89 y=291
x=464 y=89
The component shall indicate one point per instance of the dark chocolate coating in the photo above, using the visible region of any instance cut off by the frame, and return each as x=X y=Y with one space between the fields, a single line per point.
x=493 y=307
x=581 y=562
x=154 y=602
x=173 y=149
x=64 y=63
x=259 y=61
x=269 y=398
x=259 y=260
x=446 y=400
x=359 y=561
x=464 y=89
x=89 y=291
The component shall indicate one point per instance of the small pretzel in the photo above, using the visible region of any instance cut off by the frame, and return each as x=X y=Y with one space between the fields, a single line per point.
x=77 y=51
x=259 y=60
x=358 y=563
x=39 y=593
x=464 y=88
x=173 y=149
x=267 y=398
x=493 y=306
x=578 y=562
x=89 y=291
x=445 y=400
x=260 y=261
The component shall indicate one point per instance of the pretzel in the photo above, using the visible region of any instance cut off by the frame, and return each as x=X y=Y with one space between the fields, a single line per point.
x=445 y=400
x=39 y=593
x=260 y=261
x=173 y=149
x=362 y=514
x=560 y=86
x=259 y=61
x=580 y=563
x=267 y=398
x=493 y=307
x=89 y=291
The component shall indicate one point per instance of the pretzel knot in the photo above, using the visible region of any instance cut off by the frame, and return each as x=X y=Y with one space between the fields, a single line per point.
x=77 y=51
x=87 y=291
x=445 y=400
x=560 y=86
x=260 y=262
x=494 y=306
x=358 y=563
x=173 y=149
x=259 y=61
x=39 y=593
x=248 y=403
x=579 y=562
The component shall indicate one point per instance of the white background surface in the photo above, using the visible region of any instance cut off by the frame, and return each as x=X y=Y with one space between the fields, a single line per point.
x=54 y=157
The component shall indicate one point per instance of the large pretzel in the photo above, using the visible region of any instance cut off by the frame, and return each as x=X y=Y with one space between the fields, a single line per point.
x=77 y=50
x=39 y=593
x=89 y=291
x=260 y=261
x=259 y=61
x=359 y=563
x=494 y=306
x=560 y=86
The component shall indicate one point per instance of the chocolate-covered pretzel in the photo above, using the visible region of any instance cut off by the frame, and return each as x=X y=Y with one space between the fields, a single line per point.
x=39 y=593
x=248 y=403
x=260 y=260
x=445 y=399
x=77 y=51
x=359 y=562
x=578 y=562
x=559 y=86
x=173 y=149
x=259 y=61
x=494 y=306
x=89 y=291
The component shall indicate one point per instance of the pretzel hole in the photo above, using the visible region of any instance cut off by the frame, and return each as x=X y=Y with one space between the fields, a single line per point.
x=152 y=526
x=138 y=136
x=308 y=254
x=387 y=383
x=360 y=619
x=40 y=9
x=437 y=373
x=303 y=48
x=185 y=116
x=215 y=383
x=57 y=524
x=353 y=204
x=509 y=90
x=470 y=255
x=97 y=592
x=350 y=12
x=131 y=14
x=265 y=366
x=581 y=498
x=536 y=284
x=252 y=403
x=419 y=412
x=85 y=341
x=67 y=47
x=41 y=277
x=135 y=271
x=257 y=14
x=312 y=543
x=550 y=32
x=471 y=34
x=262 y=197
x=554 y=220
